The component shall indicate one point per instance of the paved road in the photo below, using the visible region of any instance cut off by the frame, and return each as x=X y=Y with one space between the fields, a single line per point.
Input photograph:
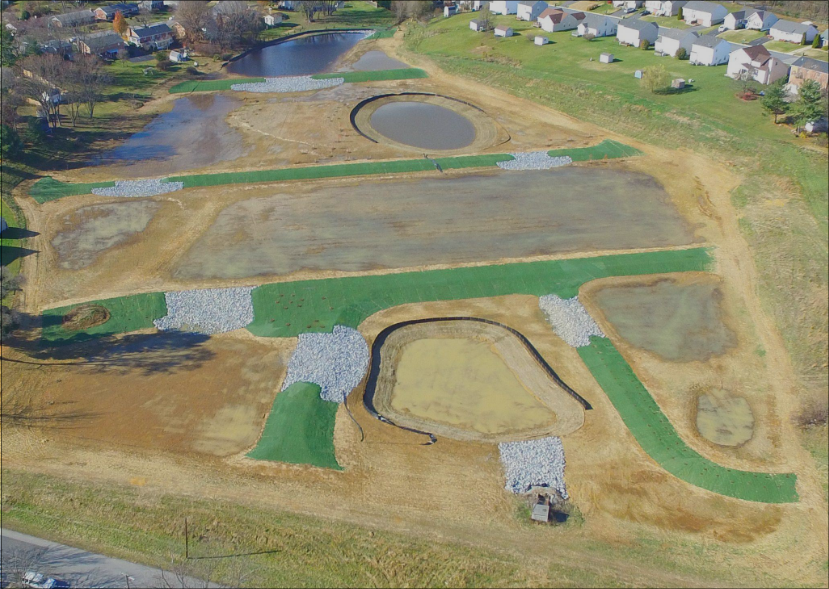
x=78 y=567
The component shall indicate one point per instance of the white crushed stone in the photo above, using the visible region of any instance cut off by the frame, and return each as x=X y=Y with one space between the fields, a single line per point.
x=137 y=188
x=335 y=361
x=534 y=463
x=534 y=160
x=570 y=320
x=288 y=84
x=208 y=311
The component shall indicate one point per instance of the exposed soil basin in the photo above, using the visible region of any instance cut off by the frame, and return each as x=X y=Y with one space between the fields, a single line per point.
x=305 y=55
x=418 y=124
x=724 y=419
x=449 y=220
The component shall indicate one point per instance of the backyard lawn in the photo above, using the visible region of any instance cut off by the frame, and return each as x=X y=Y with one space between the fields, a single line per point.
x=741 y=36
x=669 y=22
x=782 y=46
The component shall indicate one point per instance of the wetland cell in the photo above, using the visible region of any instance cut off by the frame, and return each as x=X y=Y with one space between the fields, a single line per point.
x=423 y=125
x=724 y=419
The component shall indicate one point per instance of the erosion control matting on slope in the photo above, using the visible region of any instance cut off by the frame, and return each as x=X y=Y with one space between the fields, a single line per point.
x=607 y=149
x=660 y=440
x=126 y=314
x=300 y=429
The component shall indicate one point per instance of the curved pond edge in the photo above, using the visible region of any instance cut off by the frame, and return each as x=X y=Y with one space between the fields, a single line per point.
x=291 y=37
x=374 y=366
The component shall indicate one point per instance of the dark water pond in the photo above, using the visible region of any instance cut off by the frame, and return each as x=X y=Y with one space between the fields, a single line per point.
x=377 y=60
x=419 y=124
x=306 y=55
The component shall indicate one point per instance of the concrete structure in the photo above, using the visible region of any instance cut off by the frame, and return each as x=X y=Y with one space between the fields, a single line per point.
x=710 y=50
x=666 y=8
x=73 y=19
x=756 y=59
x=477 y=25
x=606 y=58
x=273 y=19
x=760 y=20
x=633 y=31
x=734 y=20
x=671 y=40
x=503 y=7
x=793 y=32
x=807 y=68
x=106 y=44
x=503 y=31
x=541 y=513
x=539 y=40
x=598 y=25
x=553 y=20
x=706 y=14
x=107 y=13
x=529 y=10
x=151 y=37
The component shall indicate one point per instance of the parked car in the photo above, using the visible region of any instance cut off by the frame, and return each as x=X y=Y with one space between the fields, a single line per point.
x=722 y=29
x=41 y=581
x=629 y=9
x=645 y=12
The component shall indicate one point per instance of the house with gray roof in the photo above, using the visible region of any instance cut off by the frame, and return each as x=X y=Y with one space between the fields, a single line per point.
x=807 y=68
x=665 y=8
x=73 y=19
x=151 y=37
x=706 y=14
x=530 y=9
x=710 y=50
x=793 y=32
x=105 y=44
x=672 y=40
x=597 y=25
x=633 y=31
x=734 y=20
x=760 y=20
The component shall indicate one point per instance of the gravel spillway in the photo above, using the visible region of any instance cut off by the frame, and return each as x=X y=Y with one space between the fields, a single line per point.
x=138 y=188
x=288 y=84
x=570 y=320
x=534 y=160
x=212 y=310
x=335 y=361
x=534 y=463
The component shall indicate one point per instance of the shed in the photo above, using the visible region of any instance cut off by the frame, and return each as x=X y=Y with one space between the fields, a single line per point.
x=503 y=31
x=541 y=512
x=678 y=83
x=272 y=19
x=450 y=10
x=606 y=58
x=477 y=25
x=539 y=40
x=637 y=74
x=179 y=56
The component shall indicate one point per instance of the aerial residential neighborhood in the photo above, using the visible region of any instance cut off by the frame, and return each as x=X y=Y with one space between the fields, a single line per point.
x=326 y=293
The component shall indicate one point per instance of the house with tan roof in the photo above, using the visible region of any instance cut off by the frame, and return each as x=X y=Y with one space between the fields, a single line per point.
x=554 y=19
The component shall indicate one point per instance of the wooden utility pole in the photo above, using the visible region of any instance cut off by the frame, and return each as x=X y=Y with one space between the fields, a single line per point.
x=186 y=541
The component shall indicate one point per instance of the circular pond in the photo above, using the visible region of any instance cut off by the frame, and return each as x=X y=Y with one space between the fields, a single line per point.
x=423 y=125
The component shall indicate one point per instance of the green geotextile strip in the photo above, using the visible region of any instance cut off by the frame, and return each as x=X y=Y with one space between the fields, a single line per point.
x=606 y=149
x=409 y=73
x=127 y=314
x=286 y=309
x=300 y=429
x=659 y=439
x=47 y=189
x=382 y=33
x=211 y=85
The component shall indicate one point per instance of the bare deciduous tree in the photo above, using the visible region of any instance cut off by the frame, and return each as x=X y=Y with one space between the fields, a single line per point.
x=39 y=81
x=194 y=16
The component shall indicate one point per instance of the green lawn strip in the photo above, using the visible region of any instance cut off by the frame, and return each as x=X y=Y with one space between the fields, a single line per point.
x=660 y=440
x=375 y=76
x=300 y=429
x=286 y=309
x=382 y=33
x=127 y=314
x=211 y=85
x=607 y=149
x=47 y=189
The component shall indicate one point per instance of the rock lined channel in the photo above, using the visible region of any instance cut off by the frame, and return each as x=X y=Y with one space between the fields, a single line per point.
x=534 y=160
x=534 y=463
x=288 y=84
x=208 y=311
x=570 y=320
x=139 y=188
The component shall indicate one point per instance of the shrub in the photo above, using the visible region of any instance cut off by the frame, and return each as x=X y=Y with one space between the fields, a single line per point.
x=35 y=129
x=655 y=78
x=816 y=42
x=24 y=15
x=164 y=65
x=814 y=412
x=10 y=144
x=681 y=53
x=645 y=45
x=590 y=36
x=162 y=56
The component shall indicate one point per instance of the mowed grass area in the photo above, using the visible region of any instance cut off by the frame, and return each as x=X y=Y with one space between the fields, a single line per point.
x=668 y=22
x=784 y=202
x=300 y=429
x=741 y=36
x=659 y=439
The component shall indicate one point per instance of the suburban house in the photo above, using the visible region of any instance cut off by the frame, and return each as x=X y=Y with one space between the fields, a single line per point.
x=73 y=19
x=793 y=32
x=151 y=37
x=627 y=4
x=824 y=38
x=760 y=20
x=633 y=31
x=471 y=4
x=710 y=50
x=57 y=47
x=151 y=5
x=477 y=25
x=530 y=10
x=597 y=25
x=706 y=14
x=450 y=10
x=671 y=40
x=503 y=31
x=735 y=20
x=108 y=12
x=553 y=20
x=759 y=62
x=667 y=8
x=106 y=44
x=807 y=68
x=271 y=20
x=502 y=7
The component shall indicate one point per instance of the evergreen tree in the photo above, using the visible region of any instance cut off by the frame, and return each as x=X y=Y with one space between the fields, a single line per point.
x=774 y=101
x=810 y=106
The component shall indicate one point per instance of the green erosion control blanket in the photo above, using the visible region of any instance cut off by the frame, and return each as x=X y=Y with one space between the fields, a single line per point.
x=211 y=85
x=606 y=149
x=286 y=309
x=127 y=314
x=300 y=429
x=659 y=439
x=408 y=73
x=47 y=189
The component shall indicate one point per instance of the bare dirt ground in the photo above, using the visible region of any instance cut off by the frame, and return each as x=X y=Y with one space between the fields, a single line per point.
x=623 y=495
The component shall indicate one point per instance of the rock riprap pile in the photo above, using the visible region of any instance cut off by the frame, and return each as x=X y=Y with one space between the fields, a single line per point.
x=534 y=463
x=208 y=311
x=288 y=84
x=335 y=361
x=534 y=160
x=138 y=188
x=570 y=320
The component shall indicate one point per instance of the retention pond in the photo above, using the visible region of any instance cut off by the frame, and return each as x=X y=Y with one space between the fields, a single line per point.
x=423 y=125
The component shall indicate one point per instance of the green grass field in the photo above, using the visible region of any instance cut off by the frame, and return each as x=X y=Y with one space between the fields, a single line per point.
x=668 y=22
x=659 y=439
x=741 y=35
x=300 y=429
x=211 y=85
